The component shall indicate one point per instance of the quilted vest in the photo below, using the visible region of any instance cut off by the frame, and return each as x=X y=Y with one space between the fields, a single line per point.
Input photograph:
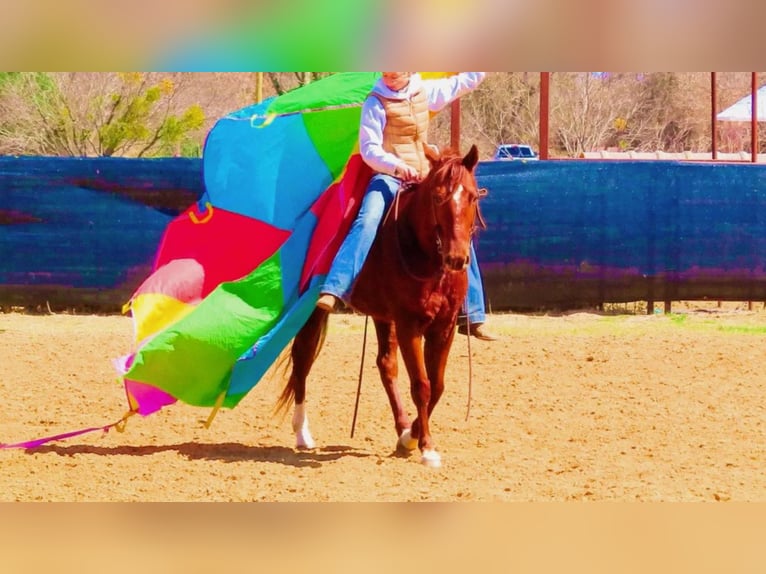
x=406 y=130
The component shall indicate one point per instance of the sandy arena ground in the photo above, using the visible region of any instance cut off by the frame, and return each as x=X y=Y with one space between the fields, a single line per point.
x=580 y=406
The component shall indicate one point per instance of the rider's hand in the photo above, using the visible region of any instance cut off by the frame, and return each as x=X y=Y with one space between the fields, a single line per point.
x=406 y=173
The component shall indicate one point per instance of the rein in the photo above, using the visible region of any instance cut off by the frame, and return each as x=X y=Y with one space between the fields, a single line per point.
x=400 y=253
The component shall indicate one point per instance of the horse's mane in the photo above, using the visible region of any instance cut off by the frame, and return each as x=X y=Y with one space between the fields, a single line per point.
x=448 y=167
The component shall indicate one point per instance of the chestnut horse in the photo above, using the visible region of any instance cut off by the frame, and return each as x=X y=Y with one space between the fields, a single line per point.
x=413 y=285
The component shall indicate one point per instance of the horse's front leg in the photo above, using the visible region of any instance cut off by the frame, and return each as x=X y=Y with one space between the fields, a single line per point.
x=388 y=368
x=410 y=343
x=438 y=341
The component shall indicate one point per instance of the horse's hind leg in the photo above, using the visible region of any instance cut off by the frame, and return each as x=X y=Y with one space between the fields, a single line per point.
x=389 y=369
x=303 y=352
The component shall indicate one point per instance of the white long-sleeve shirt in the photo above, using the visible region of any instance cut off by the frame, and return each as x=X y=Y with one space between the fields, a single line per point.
x=439 y=92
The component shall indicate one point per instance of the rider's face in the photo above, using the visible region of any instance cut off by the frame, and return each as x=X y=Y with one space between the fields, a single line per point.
x=396 y=80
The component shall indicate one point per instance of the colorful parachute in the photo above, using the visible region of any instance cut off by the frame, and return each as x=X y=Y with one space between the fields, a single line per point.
x=238 y=274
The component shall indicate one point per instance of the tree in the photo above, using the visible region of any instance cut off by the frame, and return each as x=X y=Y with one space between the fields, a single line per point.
x=504 y=109
x=671 y=113
x=97 y=114
x=169 y=114
x=589 y=110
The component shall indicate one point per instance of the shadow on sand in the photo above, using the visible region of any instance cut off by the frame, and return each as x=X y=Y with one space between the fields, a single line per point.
x=225 y=452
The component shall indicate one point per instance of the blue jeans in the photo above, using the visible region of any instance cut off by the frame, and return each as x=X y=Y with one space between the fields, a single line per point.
x=474 y=305
x=356 y=246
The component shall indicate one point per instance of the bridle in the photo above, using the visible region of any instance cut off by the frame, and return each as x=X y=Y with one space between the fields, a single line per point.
x=410 y=188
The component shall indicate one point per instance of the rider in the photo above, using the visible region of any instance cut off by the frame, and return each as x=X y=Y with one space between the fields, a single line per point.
x=392 y=135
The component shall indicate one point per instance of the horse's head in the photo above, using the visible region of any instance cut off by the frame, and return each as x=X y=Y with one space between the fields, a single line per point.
x=455 y=199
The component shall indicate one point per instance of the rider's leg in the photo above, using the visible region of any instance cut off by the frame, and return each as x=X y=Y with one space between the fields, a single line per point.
x=474 y=305
x=356 y=246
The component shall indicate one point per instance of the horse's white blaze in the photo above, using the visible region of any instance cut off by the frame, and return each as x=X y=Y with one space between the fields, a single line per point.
x=406 y=440
x=303 y=438
x=431 y=458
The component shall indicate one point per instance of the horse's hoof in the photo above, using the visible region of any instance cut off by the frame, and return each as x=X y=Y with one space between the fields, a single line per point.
x=406 y=441
x=304 y=440
x=305 y=445
x=431 y=458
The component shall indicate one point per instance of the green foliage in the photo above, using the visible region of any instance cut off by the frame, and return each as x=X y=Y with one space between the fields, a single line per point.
x=678 y=319
x=7 y=78
x=174 y=133
x=22 y=94
x=134 y=122
x=128 y=114
x=40 y=79
x=744 y=329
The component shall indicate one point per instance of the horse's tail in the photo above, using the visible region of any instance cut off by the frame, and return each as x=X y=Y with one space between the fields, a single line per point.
x=283 y=364
x=287 y=397
x=312 y=333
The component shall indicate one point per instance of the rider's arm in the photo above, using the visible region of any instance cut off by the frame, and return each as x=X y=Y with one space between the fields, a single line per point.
x=371 y=139
x=445 y=90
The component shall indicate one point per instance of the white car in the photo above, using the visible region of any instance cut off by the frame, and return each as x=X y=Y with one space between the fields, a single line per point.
x=515 y=151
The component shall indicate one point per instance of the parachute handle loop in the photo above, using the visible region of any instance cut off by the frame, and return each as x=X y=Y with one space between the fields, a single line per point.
x=207 y=217
x=120 y=425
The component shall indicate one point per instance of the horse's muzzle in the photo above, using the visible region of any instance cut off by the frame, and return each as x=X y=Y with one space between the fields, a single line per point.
x=456 y=263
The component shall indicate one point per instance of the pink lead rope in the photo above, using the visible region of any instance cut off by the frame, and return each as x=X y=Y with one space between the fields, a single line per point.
x=119 y=425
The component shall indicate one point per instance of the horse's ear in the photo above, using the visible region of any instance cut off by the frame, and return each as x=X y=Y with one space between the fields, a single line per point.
x=471 y=158
x=432 y=153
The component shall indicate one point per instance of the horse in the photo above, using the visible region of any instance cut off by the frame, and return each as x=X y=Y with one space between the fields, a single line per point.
x=422 y=253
